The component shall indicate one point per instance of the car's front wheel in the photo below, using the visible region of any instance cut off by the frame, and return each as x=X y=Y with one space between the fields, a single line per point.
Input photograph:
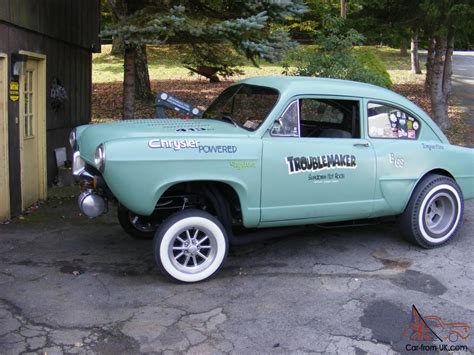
x=434 y=212
x=190 y=246
x=138 y=227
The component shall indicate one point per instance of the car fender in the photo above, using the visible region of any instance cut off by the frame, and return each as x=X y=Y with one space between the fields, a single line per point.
x=140 y=174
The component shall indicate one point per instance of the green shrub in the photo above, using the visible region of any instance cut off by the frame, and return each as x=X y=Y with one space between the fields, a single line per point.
x=371 y=61
x=343 y=64
x=334 y=57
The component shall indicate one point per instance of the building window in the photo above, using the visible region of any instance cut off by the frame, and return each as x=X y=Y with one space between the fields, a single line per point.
x=28 y=105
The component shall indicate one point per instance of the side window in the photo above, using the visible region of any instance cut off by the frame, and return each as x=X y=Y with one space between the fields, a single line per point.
x=288 y=124
x=330 y=118
x=319 y=118
x=390 y=122
x=318 y=111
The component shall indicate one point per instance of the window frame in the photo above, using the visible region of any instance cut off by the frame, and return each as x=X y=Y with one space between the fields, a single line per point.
x=398 y=107
x=297 y=100
x=359 y=99
x=29 y=97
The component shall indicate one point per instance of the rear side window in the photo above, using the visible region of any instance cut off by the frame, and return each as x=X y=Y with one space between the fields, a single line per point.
x=386 y=121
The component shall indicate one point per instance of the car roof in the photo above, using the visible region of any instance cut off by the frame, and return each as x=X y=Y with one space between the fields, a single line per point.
x=298 y=85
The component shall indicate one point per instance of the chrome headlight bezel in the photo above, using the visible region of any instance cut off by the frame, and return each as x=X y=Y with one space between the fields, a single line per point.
x=73 y=138
x=99 y=158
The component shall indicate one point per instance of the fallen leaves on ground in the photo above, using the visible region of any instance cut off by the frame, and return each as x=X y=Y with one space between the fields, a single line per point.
x=459 y=133
x=107 y=97
x=107 y=101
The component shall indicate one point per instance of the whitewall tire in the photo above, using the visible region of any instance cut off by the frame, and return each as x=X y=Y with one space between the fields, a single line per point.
x=190 y=246
x=434 y=212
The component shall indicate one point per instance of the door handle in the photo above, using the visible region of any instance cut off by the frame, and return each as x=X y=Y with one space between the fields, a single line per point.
x=366 y=145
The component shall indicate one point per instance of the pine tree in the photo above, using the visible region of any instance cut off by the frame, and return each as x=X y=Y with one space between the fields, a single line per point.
x=241 y=26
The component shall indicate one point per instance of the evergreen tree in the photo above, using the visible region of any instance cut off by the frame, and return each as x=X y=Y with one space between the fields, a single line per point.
x=244 y=26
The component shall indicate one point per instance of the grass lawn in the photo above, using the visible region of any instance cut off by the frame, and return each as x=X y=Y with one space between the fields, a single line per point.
x=167 y=74
x=163 y=64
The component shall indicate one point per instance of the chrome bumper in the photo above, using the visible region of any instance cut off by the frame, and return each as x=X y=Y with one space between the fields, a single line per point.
x=92 y=201
x=78 y=164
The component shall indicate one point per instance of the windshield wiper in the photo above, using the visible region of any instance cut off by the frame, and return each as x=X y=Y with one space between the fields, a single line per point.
x=228 y=117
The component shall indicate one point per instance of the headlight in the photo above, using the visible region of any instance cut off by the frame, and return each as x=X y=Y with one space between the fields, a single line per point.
x=72 y=138
x=99 y=158
x=78 y=164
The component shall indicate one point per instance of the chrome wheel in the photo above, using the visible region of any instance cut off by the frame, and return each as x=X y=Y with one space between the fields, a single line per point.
x=440 y=213
x=190 y=246
x=434 y=211
x=192 y=250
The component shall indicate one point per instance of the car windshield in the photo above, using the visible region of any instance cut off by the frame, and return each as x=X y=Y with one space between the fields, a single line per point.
x=244 y=105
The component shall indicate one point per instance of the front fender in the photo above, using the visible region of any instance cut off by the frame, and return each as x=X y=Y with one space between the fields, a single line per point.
x=138 y=174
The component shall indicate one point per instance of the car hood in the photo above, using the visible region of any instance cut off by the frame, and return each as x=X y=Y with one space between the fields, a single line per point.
x=90 y=136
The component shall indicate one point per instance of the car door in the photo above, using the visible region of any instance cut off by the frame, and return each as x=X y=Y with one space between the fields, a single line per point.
x=396 y=135
x=315 y=164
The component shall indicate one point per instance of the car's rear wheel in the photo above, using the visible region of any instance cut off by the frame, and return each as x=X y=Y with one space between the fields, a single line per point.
x=138 y=227
x=434 y=212
x=190 y=246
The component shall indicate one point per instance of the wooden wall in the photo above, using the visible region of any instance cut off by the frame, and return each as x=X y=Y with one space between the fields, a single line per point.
x=73 y=21
x=71 y=30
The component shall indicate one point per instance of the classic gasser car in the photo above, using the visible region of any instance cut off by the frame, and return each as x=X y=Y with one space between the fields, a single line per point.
x=273 y=152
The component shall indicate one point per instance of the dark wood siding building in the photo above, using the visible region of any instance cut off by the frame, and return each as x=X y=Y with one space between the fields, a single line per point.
x=46 y=50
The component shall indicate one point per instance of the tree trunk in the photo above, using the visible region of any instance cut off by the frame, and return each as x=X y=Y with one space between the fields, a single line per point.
x=440 y=85
x=142 y=77
x=118 y=47
x=415 y=60
x=118 y=9
x=403 y=47
x=448 y=67
x=129 y=82
x=429 y=64
x=343 y=9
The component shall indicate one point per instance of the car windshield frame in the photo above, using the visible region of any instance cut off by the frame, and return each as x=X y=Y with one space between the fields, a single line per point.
x=215 y=112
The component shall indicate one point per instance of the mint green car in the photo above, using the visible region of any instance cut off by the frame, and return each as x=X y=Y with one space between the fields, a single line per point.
x=273 y=152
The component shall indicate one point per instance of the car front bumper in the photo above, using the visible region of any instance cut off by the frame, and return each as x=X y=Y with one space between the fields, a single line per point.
x=93 y=200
